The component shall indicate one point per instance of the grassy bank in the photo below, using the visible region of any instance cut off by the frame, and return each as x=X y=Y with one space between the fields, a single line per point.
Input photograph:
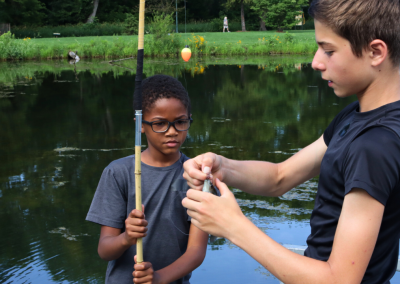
x=234 y=43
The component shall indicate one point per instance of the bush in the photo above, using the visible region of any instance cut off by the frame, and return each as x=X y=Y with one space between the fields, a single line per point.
x=93 y=29
x=164 y=41
x=131 y=24
x=309 y=25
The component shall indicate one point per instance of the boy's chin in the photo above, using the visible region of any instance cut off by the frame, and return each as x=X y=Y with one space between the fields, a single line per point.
x=341 y=94
x=170 y=151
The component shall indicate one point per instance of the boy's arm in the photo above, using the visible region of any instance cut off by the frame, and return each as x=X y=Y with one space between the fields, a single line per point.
x=354 y=241
x=113 y=243
x=256 y=177
x=189 y=261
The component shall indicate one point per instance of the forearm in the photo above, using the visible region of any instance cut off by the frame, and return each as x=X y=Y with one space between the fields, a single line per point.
x=112 y=247
x=288 y=266
x=188 y=262
x=254 y=177
x=269 y=179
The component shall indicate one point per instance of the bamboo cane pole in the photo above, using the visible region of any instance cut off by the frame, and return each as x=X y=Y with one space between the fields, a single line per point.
x=138 y=126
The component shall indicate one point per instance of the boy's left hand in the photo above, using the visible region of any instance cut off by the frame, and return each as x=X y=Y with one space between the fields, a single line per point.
x=144 y=273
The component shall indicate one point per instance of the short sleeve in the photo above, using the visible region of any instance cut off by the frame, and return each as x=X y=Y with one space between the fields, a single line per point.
x=372 y=163
x=330 y=130
x=109 y=203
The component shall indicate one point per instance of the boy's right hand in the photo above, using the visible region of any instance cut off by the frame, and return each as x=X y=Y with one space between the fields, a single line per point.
x=198 y=169
x=135 y=226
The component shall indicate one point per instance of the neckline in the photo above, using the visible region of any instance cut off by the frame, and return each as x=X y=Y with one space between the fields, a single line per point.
x=375 y=113
x=178 y=163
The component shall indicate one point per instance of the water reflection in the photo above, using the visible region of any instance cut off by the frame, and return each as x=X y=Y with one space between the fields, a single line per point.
x=62 y=124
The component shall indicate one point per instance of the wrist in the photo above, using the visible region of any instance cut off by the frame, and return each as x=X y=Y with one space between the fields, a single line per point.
x=159 y=277
x=224 y=162
x=239 y=230
x=125 y=240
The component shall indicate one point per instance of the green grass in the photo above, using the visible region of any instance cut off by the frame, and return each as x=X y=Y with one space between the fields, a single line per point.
x=233 y=43
x=217 y=39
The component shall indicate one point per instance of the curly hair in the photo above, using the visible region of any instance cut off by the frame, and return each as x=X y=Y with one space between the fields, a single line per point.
x=163 y=87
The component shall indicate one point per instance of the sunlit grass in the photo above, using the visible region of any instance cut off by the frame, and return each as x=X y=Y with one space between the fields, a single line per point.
x=234 y=43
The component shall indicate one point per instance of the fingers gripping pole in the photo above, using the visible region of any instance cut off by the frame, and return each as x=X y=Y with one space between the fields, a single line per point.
x=138 y=178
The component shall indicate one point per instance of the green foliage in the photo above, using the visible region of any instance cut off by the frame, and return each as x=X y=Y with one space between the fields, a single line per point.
x=22 y=12
x=278 y=13
x=166 y=45
x=164 y=42
x=131 y=24
x=309 y=25
x=161 y=24
x=14 y=49
x=93 y=29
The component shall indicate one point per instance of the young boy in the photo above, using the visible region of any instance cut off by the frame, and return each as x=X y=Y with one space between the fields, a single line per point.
x=355 y=224
x=173 y=247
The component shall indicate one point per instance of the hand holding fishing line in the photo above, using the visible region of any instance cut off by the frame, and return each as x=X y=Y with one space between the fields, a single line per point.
x=218 y=216
x=135 y=226
x=196 y=171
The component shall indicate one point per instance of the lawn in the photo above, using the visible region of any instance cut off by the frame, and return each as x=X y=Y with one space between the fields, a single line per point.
x=217 y=39
x=210 y=43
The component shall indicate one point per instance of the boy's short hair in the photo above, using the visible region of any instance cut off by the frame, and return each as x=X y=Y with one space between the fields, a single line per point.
x=362 y=21
x=163 y=87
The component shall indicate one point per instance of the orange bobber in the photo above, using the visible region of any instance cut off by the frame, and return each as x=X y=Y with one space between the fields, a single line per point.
x=186 y=53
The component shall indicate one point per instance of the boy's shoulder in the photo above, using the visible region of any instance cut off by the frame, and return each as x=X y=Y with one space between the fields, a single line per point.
x=122 y=163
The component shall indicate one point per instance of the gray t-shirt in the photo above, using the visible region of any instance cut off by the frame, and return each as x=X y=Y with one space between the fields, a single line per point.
x=163 y=189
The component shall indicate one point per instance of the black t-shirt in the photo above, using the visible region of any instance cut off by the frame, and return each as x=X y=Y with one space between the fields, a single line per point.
x=363 y=152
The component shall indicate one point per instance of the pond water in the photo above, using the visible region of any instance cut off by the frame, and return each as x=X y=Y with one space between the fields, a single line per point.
x=62 y=124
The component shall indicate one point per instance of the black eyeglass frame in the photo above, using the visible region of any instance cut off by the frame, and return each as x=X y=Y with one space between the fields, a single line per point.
x=169 y=124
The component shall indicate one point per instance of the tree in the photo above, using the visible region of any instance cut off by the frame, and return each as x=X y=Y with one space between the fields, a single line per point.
x=22 y=12
x=93 y=14
x=279 y=13
x=229 y=3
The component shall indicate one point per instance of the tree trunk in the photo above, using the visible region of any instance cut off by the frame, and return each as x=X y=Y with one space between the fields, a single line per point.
x=93 y=15
x=242 y=16
x=262 y=24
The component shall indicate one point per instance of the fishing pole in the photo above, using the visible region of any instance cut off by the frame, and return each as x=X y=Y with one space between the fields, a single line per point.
x=137 y=99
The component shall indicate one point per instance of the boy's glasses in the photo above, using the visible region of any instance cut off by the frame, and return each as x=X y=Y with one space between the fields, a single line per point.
x=161 y=126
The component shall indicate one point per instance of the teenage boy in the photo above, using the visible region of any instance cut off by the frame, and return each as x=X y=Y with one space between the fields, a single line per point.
x=173 y=247
x=355 y=222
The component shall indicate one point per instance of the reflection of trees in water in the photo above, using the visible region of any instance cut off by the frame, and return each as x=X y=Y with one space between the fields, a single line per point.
x=242 y=113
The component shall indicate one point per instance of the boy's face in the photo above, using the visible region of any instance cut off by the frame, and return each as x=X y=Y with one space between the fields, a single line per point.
x=346 y=73
x=169 y=142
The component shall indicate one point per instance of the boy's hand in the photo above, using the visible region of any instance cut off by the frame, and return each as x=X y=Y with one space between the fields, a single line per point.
x=144 y=273
x=200 y=168
x=135 y=226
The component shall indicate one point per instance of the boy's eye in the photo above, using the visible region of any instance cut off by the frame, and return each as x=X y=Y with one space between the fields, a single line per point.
x=181 y=122
x=160 y=123
x=329 y=53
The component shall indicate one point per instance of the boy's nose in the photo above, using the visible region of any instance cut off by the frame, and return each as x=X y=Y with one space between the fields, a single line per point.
x=171 y=131
x=317 y=64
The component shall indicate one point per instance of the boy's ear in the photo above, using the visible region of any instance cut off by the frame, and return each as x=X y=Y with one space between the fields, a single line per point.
x=378 y=52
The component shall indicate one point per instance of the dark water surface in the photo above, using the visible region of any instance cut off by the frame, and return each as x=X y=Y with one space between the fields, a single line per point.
x=62 y=124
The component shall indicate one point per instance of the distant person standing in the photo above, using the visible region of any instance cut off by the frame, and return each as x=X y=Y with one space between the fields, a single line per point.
x=225 y=25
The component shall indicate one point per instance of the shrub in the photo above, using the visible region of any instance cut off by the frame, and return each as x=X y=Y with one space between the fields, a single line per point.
x=131 y=24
